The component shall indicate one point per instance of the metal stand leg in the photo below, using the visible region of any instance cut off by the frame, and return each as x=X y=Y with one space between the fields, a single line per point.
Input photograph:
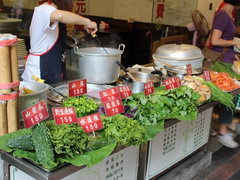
x=6 y=171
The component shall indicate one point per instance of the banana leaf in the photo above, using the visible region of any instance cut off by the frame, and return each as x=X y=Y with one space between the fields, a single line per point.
x=153 y=130
x=4 y=139
x=88 y=158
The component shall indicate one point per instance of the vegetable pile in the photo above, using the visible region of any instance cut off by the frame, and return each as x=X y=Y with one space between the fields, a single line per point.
x=220 y=96
x=123 y=130
x=84 y=105
x=196 y=84
x=224 y=81
x=180 y=103
x=68 y=139
x=225 y=67
x=50 y=145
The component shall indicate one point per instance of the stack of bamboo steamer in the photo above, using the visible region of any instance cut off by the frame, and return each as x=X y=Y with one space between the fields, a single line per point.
x=9 y=84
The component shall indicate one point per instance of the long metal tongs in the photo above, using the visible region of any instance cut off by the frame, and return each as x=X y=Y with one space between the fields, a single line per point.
x=99 y=42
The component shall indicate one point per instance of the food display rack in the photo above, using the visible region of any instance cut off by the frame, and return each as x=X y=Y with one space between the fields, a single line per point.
x=115 y=166
x=175 y=143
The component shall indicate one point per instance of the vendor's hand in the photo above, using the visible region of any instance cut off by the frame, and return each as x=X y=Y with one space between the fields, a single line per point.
x=91 y=27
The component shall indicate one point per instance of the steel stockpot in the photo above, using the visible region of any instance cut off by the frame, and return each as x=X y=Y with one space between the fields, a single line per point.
x=177 y=56
x=141 y=78
x=97 y=65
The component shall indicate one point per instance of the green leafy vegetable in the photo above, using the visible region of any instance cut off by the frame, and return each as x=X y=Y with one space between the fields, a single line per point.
x=68 y=139
x=125 y=131
x=84 y=105
x=180 y=103
x=220 y=96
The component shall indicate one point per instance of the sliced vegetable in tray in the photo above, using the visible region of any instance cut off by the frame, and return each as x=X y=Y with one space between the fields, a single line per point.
x=224 y=81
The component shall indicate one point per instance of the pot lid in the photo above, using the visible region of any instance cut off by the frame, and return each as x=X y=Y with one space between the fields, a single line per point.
x=178 y=52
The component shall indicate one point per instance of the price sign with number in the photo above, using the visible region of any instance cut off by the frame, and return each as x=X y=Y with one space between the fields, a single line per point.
x=77 y=88
x=113 y=107
x=35 y=114
x=189 y=69
x=65 y=115
x=149 y=88
x=207 y=75
x=91 y=123
x=172 y=82
x=124 y=91
x=109 y=95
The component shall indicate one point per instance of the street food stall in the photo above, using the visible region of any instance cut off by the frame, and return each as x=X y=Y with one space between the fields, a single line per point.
x=112 y=122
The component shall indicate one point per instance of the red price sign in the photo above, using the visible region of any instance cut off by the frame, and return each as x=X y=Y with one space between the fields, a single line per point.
x=35 y=114
x=77 y=88
x=149 y=88
x=65 y=115
x=172 y=82
x=109 y=95
x=207 y=75
x=113 y=107
x=124 y=91
x=189 y=69
x=91 y=123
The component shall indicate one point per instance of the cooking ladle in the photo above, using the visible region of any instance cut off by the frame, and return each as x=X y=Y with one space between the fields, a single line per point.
x=56 y=91
x=99 y=42
x=126 y=71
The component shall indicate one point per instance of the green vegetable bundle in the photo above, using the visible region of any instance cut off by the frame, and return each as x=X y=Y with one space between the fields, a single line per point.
x=180 y=103
x=68 y=139
x=123 y=130
x=220 y=96
x=84 y=105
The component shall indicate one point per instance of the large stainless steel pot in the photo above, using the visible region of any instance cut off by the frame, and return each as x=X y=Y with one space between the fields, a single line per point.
x=177 y=56
x=97 y=66
x=142 y=78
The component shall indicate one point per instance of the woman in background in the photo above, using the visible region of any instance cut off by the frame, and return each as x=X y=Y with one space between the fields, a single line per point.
x=47 y=32
x=223 y=32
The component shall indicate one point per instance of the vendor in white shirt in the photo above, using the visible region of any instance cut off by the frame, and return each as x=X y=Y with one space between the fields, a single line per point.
x=46 y=39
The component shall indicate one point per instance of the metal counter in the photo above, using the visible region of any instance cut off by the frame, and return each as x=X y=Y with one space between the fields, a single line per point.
x=68 y=169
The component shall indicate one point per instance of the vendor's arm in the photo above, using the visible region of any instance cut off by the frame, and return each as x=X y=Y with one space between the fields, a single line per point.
x=218 y=41
x=71 y=18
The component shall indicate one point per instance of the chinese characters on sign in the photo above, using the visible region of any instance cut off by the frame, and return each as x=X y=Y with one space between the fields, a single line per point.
x=64 y=115
x=109 y=94
x=77 y=88
x=35 y=114
x=149 y=88
x=112 y=101
x=91 y=123
x=172 y=82
x=113 y=107
x=160 y=8
x=80 y=7
x=124 y=91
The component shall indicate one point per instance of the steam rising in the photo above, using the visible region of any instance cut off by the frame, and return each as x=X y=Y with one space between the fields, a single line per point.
x=109 y=40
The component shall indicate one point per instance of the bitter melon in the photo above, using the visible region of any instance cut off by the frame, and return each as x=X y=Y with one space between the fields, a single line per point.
x=23 y=142
x=43 y=145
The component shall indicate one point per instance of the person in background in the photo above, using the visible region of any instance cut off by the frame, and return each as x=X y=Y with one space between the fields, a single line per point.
x=223 y=31
x=47 y=32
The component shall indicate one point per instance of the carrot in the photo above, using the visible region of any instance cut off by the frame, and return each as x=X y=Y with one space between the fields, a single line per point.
x=223 y=81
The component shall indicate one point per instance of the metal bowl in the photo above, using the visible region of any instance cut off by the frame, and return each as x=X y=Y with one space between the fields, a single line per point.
x=28 y=100
x=142 y=78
